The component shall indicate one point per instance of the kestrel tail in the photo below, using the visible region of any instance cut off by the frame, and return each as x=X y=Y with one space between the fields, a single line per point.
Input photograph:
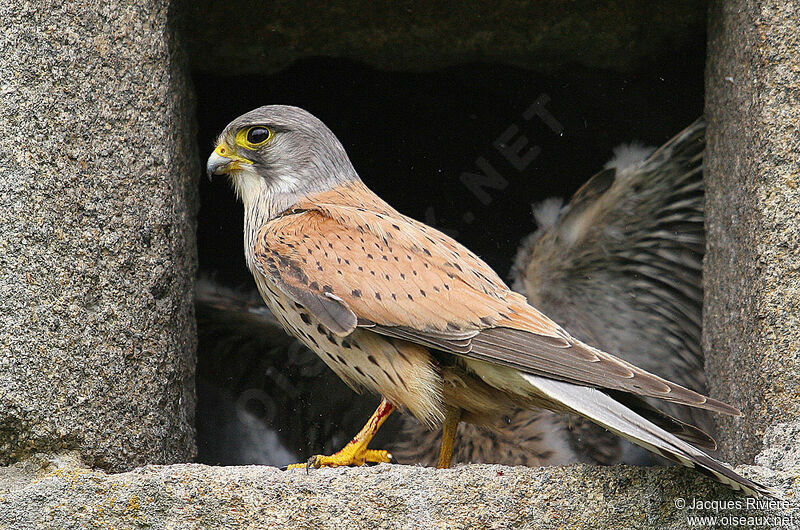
x=396 y=307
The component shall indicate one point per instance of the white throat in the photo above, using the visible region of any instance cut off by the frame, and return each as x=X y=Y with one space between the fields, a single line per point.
x=262 y=203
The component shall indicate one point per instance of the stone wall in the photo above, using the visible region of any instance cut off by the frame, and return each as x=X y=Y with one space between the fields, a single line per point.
x=543 y=35
x=752 y=272
x=97 y=246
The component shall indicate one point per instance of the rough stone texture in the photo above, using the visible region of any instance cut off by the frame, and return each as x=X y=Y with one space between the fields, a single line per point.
x=97 y=244
x=60 y=493
x=543 y=35
x=752 y=271
x=781 y=447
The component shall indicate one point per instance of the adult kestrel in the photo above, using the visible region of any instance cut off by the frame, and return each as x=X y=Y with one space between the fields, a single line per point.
x=398 y=308
x=618 y=267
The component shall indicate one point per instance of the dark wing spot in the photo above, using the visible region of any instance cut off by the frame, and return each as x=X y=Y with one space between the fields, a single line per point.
x=356 y=293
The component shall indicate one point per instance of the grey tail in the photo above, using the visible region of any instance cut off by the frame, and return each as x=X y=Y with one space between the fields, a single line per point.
x=607 y=412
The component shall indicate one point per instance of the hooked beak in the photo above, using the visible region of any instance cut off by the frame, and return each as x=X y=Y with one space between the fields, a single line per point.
x=223 y=161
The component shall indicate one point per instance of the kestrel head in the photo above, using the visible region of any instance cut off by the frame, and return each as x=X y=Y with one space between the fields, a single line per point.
x=279 y=154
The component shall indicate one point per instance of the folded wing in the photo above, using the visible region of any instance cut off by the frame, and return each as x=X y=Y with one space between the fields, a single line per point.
x=384 y=271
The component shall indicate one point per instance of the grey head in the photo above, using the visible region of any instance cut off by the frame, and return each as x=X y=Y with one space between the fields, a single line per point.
x=277 y=154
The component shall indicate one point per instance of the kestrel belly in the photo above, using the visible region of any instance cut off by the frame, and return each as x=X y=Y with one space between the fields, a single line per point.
x=399 y=370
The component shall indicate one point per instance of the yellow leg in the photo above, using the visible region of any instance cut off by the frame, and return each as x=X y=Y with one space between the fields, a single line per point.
x=449 y=431
x=356 y=453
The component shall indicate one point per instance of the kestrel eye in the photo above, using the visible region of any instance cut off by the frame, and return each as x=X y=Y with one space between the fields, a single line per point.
x=258 y=135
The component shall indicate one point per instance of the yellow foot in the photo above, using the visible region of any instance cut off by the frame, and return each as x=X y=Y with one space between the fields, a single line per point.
x=356 y=453
x=349 y=456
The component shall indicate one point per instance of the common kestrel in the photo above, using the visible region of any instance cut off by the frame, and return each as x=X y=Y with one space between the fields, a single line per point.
x=398 y=308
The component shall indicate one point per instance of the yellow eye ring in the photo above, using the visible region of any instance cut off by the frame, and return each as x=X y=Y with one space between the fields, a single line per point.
x=253 y=137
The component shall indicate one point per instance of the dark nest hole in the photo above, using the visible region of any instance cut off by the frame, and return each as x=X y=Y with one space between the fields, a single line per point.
x=411 y=136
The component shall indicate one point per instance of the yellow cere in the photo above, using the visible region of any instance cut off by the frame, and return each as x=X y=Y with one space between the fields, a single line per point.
x=224 y=150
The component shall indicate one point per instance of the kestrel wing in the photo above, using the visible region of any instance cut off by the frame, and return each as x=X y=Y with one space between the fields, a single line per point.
x=287 y=271
x=631 y=239
x=380 y=278
x=407 y=280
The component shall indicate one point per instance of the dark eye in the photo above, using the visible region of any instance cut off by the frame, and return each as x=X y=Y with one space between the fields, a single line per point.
x=258 y=135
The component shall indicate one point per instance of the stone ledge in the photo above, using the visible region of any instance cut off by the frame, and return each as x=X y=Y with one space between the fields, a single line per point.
x=59 y=492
